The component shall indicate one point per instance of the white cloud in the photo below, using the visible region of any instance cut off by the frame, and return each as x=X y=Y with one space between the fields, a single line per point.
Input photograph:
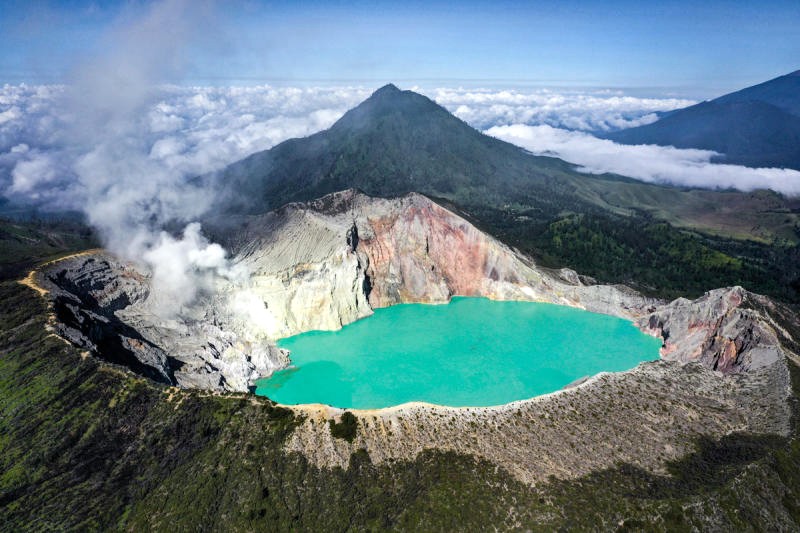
x=33 y=172
x=193 y=130
x=600 y=110
x=180 y=131
x=130 y=180
x=10 y=114
x=651 y=163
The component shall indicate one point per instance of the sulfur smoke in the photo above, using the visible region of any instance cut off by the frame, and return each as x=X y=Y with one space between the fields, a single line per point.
x=130 y=196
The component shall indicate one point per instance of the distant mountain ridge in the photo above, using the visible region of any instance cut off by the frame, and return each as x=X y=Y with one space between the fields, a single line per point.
x=782 y=92
x=397 y=142
x=758 y=126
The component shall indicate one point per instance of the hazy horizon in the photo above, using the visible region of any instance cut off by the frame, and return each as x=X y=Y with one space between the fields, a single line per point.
x=675 y=48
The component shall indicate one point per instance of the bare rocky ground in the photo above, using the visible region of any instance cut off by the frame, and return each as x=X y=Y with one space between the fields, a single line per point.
x=327 y=263
x=646 y=417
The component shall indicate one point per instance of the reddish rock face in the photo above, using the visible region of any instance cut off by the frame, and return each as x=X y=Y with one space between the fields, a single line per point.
x=426 y=254
x=714 y=330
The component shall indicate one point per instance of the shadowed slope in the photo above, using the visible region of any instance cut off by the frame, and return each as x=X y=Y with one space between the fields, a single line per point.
x=397 y=142
x=758 y=126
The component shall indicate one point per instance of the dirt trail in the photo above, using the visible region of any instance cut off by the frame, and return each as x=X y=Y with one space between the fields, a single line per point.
x=30 y=279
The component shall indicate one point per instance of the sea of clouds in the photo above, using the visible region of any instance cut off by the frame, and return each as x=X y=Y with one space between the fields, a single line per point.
x=185 y=131
x=650 y=163
x=585 y=110
x=190 y=130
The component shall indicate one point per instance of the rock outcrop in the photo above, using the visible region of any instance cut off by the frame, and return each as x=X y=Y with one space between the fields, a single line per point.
x=715 y=330
x=87 y=293
x=332 y=261
x=101 y=304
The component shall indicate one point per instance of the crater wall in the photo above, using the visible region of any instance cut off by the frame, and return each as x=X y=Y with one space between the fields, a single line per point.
x=323 y=264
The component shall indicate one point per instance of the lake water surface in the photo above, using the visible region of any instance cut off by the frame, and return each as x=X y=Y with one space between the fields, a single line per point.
x=470 y=352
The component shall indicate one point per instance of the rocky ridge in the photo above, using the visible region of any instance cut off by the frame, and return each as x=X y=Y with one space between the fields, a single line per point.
x=101 y=304
x=646 y=417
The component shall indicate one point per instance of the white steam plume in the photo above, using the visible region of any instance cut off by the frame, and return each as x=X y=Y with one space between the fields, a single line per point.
x=129 y=195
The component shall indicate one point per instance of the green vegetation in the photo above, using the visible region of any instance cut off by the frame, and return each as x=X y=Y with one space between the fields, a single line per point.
x=346 y=427
x=23 y=244
x=652 y=256
x=89 y=446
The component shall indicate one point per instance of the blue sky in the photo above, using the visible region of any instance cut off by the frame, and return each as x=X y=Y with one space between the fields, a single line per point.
x=697 y=49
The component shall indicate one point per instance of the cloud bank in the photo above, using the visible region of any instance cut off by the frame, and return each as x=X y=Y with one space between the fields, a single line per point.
x=602 y=110
x=650 y=163
x=192 y=130
x=181 y=130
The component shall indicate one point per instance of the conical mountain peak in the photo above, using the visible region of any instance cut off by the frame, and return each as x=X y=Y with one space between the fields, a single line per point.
x=387 y=89
x=393 y=143
x=391 y=103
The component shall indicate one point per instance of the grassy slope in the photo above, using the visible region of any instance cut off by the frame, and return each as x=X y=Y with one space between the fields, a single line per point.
x=23 y=244
x=652 y=256
x=85 y=445
x=762 y=216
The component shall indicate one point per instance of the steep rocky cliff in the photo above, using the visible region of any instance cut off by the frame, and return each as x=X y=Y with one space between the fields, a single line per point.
x=101 y=304
x=372 y=252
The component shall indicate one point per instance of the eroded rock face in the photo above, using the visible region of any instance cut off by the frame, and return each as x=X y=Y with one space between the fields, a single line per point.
x=715 y=330
x=101 y=304
x=419 y=252
x=334 y=260
x=305 y=268
x=87 y=293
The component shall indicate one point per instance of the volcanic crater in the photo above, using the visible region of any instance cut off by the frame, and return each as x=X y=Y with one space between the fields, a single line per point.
x=323 y=264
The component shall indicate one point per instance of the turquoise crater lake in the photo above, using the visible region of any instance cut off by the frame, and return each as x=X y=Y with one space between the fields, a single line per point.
x=470 y=352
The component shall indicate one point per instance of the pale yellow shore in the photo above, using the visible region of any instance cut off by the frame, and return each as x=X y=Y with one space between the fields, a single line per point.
x=322 y=411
